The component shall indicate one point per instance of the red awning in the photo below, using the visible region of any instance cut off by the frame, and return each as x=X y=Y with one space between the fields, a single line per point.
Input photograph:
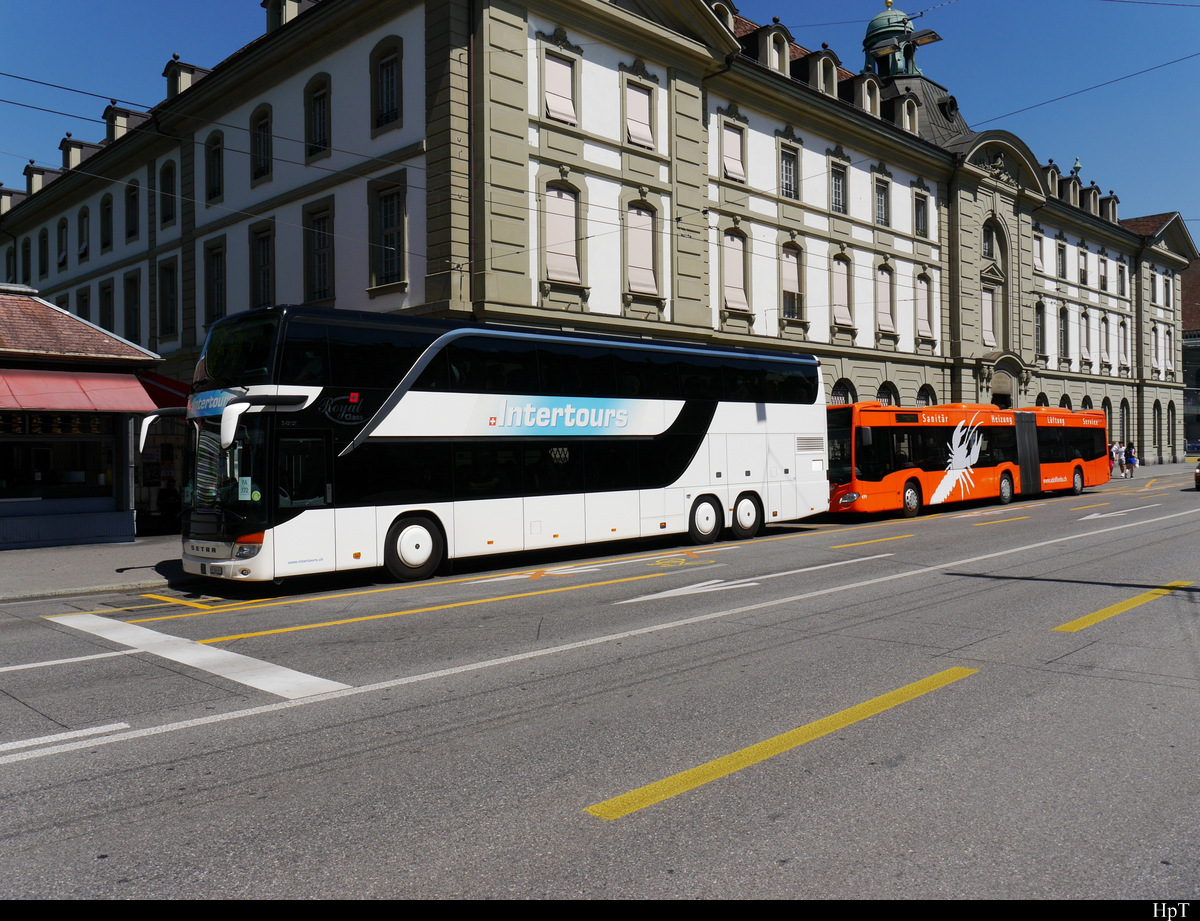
x=73 y=391
x=165 y=391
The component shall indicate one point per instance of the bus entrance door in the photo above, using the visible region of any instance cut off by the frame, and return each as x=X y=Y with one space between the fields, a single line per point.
x=1027 y=452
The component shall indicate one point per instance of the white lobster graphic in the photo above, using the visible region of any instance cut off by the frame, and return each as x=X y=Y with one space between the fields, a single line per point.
x=964 y=452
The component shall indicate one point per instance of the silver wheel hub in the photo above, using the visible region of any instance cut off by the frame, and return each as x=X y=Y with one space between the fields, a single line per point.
x=705 y=518
x=415 y=546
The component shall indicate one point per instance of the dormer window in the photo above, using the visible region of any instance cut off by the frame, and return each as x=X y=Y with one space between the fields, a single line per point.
x=778 y=57
x=908 y=115
x=722 y=12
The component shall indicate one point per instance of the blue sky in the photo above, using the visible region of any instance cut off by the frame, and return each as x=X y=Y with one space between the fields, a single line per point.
x=1131 y=136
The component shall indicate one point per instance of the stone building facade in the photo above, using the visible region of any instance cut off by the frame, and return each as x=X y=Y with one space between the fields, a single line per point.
x=658 y=169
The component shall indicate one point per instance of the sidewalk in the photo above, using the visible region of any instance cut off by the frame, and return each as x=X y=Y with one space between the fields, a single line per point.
x=147 y=563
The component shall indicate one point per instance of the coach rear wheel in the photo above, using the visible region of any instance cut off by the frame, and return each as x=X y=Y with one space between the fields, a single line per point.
x=747 y=516
x=1006 y=489
x=706 y=521
x=912 y=499
x=414 y=549
x=1077 y=483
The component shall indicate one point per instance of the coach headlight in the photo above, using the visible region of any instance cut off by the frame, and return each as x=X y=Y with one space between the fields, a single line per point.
x=247 y=546
x=849 y=498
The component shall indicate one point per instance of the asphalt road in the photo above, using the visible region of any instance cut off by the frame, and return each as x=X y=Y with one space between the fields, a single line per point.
x=986 y=702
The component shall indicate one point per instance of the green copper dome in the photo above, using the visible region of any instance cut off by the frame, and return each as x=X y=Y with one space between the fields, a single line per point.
x=889 y=26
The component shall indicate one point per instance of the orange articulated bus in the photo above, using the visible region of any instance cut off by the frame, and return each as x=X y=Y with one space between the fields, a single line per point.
x=884 y=458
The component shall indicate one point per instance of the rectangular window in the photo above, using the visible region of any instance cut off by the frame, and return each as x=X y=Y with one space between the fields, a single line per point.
x=921 y=216
x=883 y=203
x=318 y=254
x=1083 y=267
x=1121 y=280
x=62 y=245
x=107 y=318
x=789 y=173
x=1103 y=274
x=106 y=225
x=1105 y=355
x=792 y=301
x=214 y=169
x=837 y=189
x=560 y=89
x=1039 y=245
x=1153 y=288
x=734 y=251
x=262 y=265
x=168 y=302
x=642 y=279
x=133 y=307
x=317 y=120
x=387 y=242
x=84 y=233
x=562 y=236
x=989 y=243
x=1062 y=260
x=987 y=316
x=637 y=115
x=1085 y=337
x=83 y=303
x=1039 y=330
x=214 y=282
x=731 y=153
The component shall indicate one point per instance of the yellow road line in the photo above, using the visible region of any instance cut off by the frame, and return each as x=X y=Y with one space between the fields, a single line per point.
x=1082 y=507
x=183 y=601
x=436 y=607
x=671 y=786
x=980 y=524
x=875 y=541
x=1074 y=626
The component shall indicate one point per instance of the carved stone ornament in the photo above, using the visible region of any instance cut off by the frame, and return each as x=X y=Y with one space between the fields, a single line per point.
x=995 y=165
x=789 y=134
x=733 y=114
x=637 y=69
x=560 y=39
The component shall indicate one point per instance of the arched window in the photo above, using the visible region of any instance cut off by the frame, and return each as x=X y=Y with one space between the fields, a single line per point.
x=317 y=117
x=1086 y=403
x=262 y=160
x=166 y=194
x=843 y=393
x=562 y=234
x=386 y=99
x=1105 y=354
x=640 y=240
x=926 y=396
x=1123 y=344
x=133 y=213
x=10 y=265
x=841 y=292
x=43 y=253
x=106 y=223
x=887 y=394
x=791 y=288
x=26 y=261
x=925 y=309
x=1171 y=429
x=1085 y=336
x=1042 y=400
x=734 y=265
x=1106 y=405
x=1158 y=439
x=1126 y=428
x=910 y=123
x=61 y=236
x=214 y=167
x=1064 y=402
x=885 y=300
x=83 y=232
x=1169 y=348
x=828 y=77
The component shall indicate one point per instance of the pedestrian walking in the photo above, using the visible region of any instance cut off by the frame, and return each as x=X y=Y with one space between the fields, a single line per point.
x=1117 y=456
x=1131 y=459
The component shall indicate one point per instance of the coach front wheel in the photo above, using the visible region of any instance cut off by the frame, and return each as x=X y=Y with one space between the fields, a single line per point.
x=414 y=550
x=1077 y=483
x=1006 y=489
x=912 y=499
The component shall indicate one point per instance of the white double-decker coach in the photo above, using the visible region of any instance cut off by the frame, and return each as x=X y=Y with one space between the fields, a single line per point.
x=326 y=441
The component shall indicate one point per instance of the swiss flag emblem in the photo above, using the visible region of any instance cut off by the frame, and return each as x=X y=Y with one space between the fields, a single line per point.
x=491 y=420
